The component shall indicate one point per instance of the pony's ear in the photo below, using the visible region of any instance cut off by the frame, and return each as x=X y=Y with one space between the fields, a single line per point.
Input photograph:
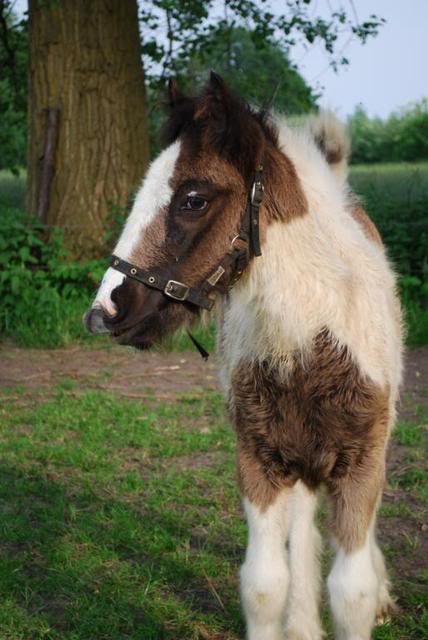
x=229 y=126
x=217 y=90
x=216 y=100
x=181 y=110
x=175 y=95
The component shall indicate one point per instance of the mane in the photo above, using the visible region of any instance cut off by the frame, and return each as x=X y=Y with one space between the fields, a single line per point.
x=321 y=174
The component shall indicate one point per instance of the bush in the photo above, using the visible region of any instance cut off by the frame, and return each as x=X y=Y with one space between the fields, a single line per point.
x=402 y=137
x=396 y=197
x=43 y=293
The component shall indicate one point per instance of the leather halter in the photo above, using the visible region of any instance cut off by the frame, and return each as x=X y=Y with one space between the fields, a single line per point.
x=242 y=248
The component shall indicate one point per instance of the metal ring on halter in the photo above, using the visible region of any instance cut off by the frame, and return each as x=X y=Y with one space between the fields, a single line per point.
x=237 y=237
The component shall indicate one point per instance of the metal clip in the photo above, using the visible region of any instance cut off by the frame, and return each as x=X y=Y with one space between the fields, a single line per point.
x=257 y=192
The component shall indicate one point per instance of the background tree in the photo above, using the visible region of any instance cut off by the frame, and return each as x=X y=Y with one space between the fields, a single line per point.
x=402 y=136
x=87 y=133
x=262 y=73
x=87 y=126
x=175 y=31
x=246 y=42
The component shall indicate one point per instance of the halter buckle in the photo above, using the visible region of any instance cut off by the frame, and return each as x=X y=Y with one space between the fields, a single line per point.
x=176 y=290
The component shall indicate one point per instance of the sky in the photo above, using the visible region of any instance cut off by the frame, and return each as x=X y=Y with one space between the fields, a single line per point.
x=388 y=72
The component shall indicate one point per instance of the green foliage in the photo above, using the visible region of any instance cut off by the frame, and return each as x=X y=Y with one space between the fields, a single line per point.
x=13 y=89
x=244 y=40
x=403 y=136
x=396 y=197
x=12 y=190
x=260 y=72
x=43 y=293
x=175 y=32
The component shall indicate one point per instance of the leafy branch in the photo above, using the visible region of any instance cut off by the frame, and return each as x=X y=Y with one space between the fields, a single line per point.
x=175 y=31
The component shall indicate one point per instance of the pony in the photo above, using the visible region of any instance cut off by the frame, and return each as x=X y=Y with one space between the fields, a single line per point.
x=252 y=217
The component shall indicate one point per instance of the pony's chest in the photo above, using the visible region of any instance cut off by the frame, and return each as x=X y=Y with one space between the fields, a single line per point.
x=313 y=424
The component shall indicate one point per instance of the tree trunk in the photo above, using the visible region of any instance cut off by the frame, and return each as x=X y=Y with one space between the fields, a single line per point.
x=85 y=65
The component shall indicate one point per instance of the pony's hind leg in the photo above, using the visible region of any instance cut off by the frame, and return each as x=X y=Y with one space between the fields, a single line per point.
x=303 y=621
x=386 y=607
x=264 y=574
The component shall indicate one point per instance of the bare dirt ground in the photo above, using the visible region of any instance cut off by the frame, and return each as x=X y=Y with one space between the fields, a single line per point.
x=162 y=376
x=129 y=373
x=156 y=376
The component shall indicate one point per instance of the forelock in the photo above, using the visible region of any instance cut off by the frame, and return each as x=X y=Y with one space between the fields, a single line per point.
x=181 y=119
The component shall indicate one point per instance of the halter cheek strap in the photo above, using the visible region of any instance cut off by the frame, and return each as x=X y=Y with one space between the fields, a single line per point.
x=243 y=247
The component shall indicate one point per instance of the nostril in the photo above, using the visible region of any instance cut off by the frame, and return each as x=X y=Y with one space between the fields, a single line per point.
x=94 y=321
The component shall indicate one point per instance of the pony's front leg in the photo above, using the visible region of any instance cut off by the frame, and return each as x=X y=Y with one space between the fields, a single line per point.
x=355 y=580
x=264 y=574
x=304 y=545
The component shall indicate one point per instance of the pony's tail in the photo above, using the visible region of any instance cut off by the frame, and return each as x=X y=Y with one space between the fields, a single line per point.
x=331 y=138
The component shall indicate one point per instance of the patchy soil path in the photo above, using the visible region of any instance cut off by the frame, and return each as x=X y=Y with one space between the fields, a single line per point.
x=127 y=372
x=155 y=375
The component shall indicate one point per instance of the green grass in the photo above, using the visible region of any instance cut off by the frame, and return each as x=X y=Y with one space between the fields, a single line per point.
x=401 y=181
x=122 y=521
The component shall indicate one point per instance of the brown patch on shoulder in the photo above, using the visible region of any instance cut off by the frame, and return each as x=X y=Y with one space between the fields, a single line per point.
x=284 y=198
x=324 y=423
x=369 y=227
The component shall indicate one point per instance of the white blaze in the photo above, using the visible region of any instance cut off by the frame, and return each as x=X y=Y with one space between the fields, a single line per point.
x=154 y=194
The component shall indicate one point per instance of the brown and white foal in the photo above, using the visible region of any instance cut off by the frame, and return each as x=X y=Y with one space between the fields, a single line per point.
x=309 y=339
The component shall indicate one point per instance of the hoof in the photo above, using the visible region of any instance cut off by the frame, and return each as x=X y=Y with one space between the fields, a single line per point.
x=387 y=611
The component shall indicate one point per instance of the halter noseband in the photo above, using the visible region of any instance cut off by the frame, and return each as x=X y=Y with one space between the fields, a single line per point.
x=243 y=247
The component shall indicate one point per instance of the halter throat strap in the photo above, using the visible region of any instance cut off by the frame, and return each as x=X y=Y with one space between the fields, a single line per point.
x=243 y=248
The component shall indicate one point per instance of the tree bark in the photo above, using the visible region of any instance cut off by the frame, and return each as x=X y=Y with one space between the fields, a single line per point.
x=85 y=62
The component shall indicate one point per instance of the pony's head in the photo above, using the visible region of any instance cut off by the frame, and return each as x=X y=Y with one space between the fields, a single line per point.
x=189 y=235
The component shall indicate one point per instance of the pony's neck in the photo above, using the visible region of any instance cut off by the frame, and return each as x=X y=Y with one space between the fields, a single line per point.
x=289 y=294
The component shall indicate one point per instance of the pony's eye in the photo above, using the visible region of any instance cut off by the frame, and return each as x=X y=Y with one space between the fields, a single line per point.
x=194 y=203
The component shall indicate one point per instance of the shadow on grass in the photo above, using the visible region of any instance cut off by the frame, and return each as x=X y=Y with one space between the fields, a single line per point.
x=77 y=565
